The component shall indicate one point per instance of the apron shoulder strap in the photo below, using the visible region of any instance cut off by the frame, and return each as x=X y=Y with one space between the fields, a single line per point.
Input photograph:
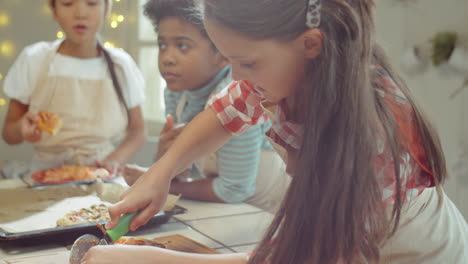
x=44 y=70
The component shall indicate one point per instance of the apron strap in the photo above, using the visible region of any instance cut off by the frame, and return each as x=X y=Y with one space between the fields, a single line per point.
x=44 y=73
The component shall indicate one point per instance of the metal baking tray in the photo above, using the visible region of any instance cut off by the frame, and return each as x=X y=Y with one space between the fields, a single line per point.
x=87 y=228
x=27 y=213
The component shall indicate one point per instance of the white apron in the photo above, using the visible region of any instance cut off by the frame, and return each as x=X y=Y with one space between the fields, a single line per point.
x=92 y=116
x=271 y=181
x=425 y=234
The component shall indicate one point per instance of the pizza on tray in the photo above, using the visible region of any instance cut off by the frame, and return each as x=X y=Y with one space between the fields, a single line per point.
x=49 y=122
x=99 y=212
x=138 y=241
x=70 y=173
x=95 y=213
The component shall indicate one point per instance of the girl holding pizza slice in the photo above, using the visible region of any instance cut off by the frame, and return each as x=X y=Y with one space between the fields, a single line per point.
x=95 y=91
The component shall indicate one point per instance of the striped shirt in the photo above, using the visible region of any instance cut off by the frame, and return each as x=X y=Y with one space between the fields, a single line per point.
x=239 y=159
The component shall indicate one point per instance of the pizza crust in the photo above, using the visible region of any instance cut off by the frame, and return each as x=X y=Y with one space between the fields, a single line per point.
x=49 y=122
x=138 y=241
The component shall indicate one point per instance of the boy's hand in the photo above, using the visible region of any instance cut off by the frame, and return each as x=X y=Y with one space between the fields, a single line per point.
x=111 y=165
x=28 y=128
x=168 y=135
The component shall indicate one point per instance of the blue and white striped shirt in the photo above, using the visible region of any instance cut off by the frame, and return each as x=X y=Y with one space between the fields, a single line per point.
x=238 y=159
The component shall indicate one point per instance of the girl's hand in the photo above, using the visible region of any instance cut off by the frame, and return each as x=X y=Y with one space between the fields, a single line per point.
x=148 y=194
x=112 y=166
x=119 y=254
x=168 y=135
x=28 y=128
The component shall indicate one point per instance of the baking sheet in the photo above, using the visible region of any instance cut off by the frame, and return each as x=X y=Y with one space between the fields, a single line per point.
x=33 y=212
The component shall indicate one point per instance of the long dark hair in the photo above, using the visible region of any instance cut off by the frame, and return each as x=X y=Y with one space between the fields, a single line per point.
x=115 y=81
x=108 y=58
x=333 y=209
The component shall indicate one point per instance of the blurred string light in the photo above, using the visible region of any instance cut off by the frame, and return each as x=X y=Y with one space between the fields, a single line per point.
x=7 y=48
x=114 y=24
x=116 y=19
x=60 y=34
x=109 y=44
x=4 y=19
x=1 y=76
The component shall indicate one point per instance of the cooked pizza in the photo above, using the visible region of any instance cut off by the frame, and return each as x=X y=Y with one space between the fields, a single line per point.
x=95 y=213
x=138 y=241
x=70 y=173
x=49 y=122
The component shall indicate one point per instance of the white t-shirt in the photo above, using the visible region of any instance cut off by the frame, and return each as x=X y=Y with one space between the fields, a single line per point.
x=24 y=74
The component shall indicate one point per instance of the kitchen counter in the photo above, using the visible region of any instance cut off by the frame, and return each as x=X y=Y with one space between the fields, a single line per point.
x=226 y=228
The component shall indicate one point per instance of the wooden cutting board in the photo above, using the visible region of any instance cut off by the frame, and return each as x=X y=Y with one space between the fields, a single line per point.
x=174 y=242
x=184 y=244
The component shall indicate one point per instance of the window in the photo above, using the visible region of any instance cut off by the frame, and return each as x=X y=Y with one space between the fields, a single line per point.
x=153 y=109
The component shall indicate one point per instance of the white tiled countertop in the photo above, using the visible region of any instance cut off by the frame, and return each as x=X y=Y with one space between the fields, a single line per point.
x=234 y=230
x=201 y=210
x=225 y=227
x=231 y=225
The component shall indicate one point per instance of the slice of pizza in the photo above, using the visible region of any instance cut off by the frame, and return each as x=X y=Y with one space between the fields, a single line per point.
x=95 y=213
x=70 y=173
x=49 y=122
x=138 y=241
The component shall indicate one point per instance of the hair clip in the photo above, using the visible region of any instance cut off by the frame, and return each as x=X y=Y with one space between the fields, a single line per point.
x=313 y=13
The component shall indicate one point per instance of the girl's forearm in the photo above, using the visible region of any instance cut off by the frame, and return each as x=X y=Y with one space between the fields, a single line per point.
x=149 y=255
x=204 y=135
x=11 y=133
x=134 y=139
x=201 y=190
x=12 y=124
x=174 y=257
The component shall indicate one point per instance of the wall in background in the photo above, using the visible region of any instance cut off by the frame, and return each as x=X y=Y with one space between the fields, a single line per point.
x=400 y=26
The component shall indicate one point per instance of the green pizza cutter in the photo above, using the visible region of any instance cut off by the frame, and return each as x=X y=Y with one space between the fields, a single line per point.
x=85 y=242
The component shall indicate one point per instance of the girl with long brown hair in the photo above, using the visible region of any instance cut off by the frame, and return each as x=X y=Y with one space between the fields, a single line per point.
x=96 y=91
x=366 y=165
